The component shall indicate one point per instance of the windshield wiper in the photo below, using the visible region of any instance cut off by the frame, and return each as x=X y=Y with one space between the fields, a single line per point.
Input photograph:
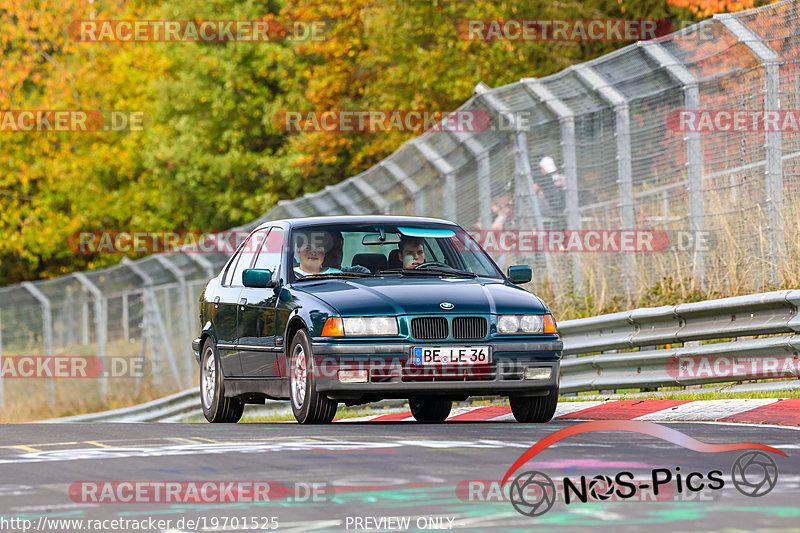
x=334 y=275
x=427 y=271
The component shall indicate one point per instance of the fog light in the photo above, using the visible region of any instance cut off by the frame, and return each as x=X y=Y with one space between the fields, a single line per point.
x=353 y=376
x=538 y=372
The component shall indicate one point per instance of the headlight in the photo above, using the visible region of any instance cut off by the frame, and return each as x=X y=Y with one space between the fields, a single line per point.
x=534 y=324
x=531 y=323
x=507 y=324
x=367 y=326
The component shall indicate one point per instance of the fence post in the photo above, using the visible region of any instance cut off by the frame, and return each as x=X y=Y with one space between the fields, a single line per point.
x=774 y=139
x=126 y=333
x=694 y=157
x=84 y=318
x=186 y=325
x=100 y=329
x=566 y=119
x=414 y=190
x=154 y=320
x=47 y=335
x=446 y=171
x=483 y=176
x=624 y=169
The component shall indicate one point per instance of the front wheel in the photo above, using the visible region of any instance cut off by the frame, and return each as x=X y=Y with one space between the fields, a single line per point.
x=430 y=410
x=537 y=409
x=216 y=407
x=308 y=405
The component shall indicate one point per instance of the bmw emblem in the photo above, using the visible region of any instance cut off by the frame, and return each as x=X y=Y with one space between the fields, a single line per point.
x=446 y=305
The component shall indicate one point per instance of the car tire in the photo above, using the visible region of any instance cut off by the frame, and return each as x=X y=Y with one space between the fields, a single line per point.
x=308 y=405
x=537 y=409
x=430 y=410
x=216 y=407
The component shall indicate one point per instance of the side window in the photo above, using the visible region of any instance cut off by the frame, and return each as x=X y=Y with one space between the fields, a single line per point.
x=246 y=255
x=271 y=252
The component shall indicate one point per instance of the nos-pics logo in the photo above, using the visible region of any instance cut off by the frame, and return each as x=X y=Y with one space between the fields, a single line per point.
x=533 y=493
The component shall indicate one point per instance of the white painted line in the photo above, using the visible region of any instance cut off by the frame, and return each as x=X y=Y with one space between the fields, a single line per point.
x=707 y=409
x=461 y=410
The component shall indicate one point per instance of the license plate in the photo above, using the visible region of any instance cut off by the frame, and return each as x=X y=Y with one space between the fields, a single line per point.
x=450 y=355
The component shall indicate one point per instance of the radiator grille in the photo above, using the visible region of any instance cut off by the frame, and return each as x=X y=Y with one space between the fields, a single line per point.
x=429 y=328
x=469 y=327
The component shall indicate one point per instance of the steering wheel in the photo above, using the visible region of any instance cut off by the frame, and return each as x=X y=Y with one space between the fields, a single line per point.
x=434 y=263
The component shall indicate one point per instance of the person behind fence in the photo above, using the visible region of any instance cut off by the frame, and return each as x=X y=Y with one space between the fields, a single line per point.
x=551 y=187
x=412 y=251
x=310 y=248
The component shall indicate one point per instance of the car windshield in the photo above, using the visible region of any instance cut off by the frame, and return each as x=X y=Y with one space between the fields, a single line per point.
x=355 y=250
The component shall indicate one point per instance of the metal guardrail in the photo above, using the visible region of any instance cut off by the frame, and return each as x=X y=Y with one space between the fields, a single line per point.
x=180 y=404
x=772 y=313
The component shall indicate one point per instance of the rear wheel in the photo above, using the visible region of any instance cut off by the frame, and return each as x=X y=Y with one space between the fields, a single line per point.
x=538 y=409
x=308 y=405
x=430 y=410
x=216 y=407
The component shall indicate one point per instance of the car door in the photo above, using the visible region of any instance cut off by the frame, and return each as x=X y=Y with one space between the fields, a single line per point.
x=223 y=304
x=257 y=313
x=230 y=304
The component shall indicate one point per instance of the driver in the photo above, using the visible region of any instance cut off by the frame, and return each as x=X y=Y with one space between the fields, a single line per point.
x=412 y=251
x=311 y=247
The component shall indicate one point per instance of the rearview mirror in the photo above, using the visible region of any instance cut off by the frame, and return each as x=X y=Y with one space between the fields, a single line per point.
x=375 y=238
x=257 y=278
x=519 y=274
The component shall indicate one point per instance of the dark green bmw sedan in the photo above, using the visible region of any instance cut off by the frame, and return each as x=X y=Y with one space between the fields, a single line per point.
x=358 y=309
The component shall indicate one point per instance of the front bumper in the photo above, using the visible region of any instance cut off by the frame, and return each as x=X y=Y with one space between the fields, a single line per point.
x=391 y=374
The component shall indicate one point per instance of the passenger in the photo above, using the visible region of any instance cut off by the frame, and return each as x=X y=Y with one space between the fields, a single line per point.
x=412 y=251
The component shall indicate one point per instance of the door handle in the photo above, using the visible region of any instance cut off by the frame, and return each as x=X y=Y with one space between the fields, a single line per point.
x=216 y=302
x=242 y=302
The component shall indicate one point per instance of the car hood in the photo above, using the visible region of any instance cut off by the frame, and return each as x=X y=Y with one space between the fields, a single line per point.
x=419 y=296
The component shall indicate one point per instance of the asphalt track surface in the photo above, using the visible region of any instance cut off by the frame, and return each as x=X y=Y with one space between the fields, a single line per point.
x=366 y=472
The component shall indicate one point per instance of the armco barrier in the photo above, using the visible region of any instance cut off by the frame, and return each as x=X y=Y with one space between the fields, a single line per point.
x=771 y=314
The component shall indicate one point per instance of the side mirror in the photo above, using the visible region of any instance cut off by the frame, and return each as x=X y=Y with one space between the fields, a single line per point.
x=257 y=278
x=517 y=274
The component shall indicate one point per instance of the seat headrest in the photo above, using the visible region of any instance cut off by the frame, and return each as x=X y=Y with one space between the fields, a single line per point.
x=374 y=262
x=394 y=259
